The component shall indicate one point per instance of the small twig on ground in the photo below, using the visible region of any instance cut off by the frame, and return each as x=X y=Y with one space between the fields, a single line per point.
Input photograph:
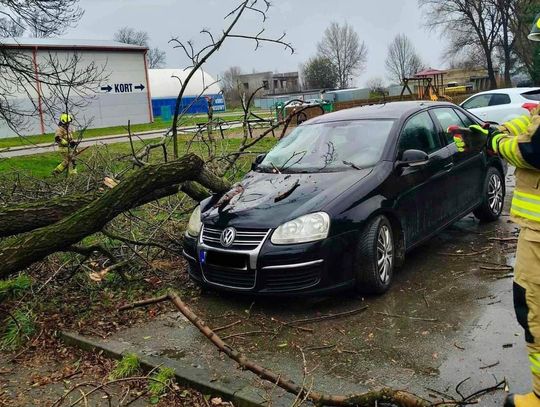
x=222 y=328
x=490 y=366
x=407 y=316
x=503 y=239
x=326 y=317
x=474 y=253
x=499 y=268
x=249 y=333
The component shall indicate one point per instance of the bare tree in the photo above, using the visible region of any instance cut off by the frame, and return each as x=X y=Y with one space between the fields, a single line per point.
x=319 y=73
x=402 y=61
x=341 y=45
x=44 y=18
x=468 y=24
x=156 y=58
x=522 y=14
x=198 y=57
x=128 y=35
x=10 y=28
x=17 y=73
x=376 y=86
x=230 y=85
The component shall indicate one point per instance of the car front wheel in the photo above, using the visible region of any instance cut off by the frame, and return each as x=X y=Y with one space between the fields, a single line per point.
x=493 y=197
x=375 y=255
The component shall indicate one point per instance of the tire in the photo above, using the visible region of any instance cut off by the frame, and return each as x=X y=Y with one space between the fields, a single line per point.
x=493 y=197
x=375 y=257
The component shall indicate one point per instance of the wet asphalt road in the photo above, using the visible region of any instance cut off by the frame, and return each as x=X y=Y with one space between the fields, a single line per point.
x=448 y=317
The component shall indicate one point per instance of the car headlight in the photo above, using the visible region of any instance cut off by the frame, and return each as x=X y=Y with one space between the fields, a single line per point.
x=195 y=224
x=307 y=228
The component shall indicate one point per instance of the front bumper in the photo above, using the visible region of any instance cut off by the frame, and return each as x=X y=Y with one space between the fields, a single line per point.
x=307 y=268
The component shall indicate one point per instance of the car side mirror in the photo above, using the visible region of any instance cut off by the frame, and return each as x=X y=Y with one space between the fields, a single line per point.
x=413 y=158
x=259 y=159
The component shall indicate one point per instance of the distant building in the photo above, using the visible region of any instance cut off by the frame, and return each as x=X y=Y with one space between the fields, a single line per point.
x=476 y=78
x=123 y=95
x=165 y=84
x=274 y=83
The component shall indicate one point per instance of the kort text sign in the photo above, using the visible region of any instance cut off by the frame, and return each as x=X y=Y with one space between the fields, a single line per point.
x=123 y=88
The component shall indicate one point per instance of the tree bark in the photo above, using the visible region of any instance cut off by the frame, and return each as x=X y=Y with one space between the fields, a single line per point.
x=21 y=251
x=23 y=218
x=26 y=217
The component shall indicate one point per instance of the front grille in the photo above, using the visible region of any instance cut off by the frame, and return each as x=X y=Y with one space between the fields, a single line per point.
x=230 y=278
x=246 y=239
x=292 y=279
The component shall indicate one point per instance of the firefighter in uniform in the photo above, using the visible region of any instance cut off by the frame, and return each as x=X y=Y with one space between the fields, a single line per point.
x=64 y=139
x=518 y=142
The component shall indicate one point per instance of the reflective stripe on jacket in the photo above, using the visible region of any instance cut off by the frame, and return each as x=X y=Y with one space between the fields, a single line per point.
x=519 y=144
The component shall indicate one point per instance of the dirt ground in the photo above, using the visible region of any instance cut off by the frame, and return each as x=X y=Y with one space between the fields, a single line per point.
x=448 y=319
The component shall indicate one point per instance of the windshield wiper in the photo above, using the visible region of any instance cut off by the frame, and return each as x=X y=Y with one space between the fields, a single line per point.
x=353 y=165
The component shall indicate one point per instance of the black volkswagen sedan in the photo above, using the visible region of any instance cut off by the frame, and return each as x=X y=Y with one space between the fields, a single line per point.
x=339 y=201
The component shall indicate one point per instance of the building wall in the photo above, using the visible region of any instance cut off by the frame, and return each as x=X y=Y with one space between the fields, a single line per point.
x=123 y=94
x=275 y=83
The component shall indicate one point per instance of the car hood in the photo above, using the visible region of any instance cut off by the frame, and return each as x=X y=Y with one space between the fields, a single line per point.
x=266 y=200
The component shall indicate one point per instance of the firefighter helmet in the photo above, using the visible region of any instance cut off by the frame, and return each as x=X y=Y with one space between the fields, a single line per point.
x=65 y=118
x=535 y=31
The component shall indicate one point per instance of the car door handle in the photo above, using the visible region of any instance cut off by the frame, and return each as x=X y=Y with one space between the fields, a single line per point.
x=448 y=167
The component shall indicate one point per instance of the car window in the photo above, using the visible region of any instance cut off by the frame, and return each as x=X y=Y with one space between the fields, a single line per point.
x=332 y=146
x=477 y=102
x=419 y=133
x=532 y=95
x=466 y=120
x=447 y=117
x=499 y=99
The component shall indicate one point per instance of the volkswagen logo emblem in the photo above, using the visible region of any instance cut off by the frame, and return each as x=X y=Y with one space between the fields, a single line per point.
x=227 y=237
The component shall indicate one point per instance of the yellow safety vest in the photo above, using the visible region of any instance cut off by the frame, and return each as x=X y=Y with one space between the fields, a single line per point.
x=525 y=209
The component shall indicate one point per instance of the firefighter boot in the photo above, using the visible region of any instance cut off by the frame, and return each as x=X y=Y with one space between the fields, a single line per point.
x=522 y=400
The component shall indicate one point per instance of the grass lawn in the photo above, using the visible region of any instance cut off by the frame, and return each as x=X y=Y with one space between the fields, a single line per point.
x=41 y=165
x=158 y=124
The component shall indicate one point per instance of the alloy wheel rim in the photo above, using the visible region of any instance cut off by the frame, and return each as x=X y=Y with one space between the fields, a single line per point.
x=495 y=194
x=385 y=253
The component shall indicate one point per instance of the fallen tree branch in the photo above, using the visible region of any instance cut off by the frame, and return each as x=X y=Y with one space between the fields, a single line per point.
x=17 y=219
x=21 y=251
x=399 y=397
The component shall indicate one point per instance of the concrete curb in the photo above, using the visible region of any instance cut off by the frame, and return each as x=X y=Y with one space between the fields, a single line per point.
x=241 y=393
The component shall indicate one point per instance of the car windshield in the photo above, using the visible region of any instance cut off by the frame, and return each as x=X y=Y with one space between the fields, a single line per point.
x=334 y=146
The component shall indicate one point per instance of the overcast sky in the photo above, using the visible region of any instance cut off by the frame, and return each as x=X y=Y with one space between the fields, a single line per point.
x=377 y=22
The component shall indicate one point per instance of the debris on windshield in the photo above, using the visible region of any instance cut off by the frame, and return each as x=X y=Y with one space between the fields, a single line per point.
x=353 y=165
x=236 y=189
x=287 y=193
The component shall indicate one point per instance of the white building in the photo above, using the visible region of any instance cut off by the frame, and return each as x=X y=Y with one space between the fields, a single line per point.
x=122 y=94
x=166 y=85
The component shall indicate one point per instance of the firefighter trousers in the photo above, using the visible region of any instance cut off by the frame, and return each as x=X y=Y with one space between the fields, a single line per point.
x=527 y=297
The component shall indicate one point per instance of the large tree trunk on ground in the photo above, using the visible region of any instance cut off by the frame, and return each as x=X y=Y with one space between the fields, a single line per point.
x=26 y=217
x=23 y=218
x=19 y=252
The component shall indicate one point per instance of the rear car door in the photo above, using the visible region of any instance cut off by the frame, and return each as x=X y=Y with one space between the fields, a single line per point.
x=467 y=175
x=420 y=203
x=494 y=107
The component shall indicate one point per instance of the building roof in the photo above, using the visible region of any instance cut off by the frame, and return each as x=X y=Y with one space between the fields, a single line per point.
x=68 y=44
x=165 y=83
x=429 y=72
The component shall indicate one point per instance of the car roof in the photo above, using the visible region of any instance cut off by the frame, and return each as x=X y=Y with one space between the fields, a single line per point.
x=511 y=91
x=392 y=110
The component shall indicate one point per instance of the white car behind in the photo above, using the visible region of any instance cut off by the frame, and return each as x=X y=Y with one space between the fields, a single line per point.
x=502 y=105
